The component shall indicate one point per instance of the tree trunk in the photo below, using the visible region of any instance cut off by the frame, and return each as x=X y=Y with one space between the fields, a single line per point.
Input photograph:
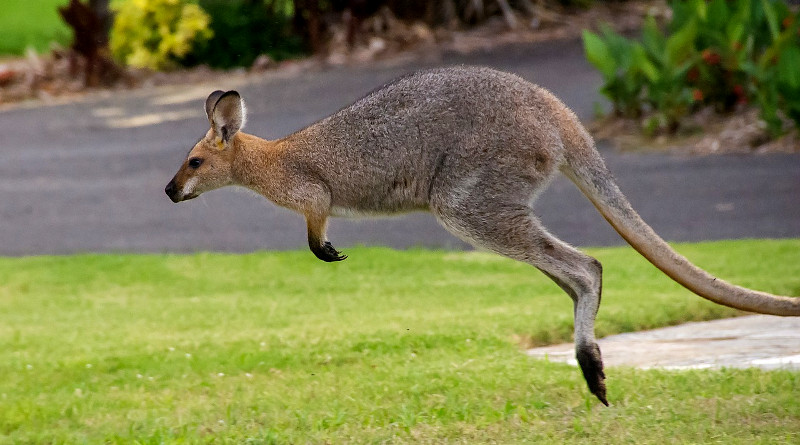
x=90 y=41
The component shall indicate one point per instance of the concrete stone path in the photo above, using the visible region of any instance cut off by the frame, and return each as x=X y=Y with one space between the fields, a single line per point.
x=762 y=341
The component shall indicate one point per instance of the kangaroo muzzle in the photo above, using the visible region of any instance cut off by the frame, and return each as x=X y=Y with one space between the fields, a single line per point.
x=172 y=191
x=176 y=193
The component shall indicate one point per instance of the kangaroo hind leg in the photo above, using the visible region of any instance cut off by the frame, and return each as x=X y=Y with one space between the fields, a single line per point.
x=513 y=231
x=580 y=276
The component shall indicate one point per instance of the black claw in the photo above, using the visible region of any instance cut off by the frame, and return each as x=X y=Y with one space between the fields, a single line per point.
x=592 y=366
x=333 y=253
x=326 y=252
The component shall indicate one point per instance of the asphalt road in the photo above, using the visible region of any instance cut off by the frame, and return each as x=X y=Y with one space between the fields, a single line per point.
x=89 y=175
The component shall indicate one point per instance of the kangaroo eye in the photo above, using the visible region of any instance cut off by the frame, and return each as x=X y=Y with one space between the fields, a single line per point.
x=195 y=162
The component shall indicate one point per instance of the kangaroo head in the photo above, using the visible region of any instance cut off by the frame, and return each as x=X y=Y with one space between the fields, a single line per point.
x=209 y=164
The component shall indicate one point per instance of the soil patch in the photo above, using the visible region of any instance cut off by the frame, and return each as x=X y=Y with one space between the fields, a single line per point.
x=704 y=133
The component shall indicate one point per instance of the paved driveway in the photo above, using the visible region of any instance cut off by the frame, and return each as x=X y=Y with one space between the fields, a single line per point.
x=89 y=176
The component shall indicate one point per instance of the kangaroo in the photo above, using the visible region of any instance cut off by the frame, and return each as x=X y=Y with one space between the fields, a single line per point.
x=473 y=146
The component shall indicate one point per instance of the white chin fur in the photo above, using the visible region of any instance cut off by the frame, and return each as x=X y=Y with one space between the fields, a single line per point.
x=188 y=188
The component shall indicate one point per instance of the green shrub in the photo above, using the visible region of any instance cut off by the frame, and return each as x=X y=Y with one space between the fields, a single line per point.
x=244 y=30
x=155 y=34
x=619 y=61
x=717 y=53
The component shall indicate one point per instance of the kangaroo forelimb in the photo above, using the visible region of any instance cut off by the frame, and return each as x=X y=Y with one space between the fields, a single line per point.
x=321 y=247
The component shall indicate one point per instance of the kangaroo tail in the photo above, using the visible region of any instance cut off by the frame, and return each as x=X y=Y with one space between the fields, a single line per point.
x=587 y=170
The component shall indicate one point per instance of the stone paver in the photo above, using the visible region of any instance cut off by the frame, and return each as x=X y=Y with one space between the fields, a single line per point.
x=763 y=341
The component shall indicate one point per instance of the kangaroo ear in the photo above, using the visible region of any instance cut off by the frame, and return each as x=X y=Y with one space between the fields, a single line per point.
x=227 y=114
x=211 y=101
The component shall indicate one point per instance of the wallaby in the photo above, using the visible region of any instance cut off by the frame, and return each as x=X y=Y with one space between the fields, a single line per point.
x=473 y=146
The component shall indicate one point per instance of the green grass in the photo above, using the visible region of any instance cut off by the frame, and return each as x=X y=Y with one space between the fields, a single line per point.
x=31 y=23
x=387 y=347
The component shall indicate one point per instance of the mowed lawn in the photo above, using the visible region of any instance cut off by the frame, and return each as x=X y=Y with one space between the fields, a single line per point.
x=31 y=23
x=388 y=346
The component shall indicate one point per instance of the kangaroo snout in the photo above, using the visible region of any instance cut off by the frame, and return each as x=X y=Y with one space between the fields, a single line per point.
x=173 y=191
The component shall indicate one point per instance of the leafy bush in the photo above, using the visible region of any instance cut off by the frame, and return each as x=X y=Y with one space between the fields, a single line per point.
x=718 y=53
x=244 y=30
x=155 y=34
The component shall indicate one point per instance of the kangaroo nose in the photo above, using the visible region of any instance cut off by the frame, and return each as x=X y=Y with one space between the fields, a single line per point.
x=170 y=190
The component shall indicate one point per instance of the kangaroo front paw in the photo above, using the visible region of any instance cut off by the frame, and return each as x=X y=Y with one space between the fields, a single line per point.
x=326 y=252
